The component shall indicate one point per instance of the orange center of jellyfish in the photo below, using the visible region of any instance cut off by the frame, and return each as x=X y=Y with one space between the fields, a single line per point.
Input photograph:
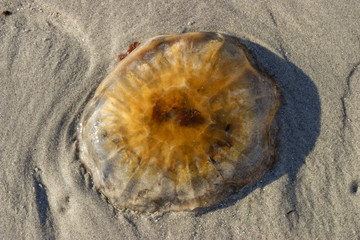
x=183 y=131
x=175 y=110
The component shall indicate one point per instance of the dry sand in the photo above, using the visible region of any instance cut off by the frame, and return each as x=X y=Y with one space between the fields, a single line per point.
x=54 y=53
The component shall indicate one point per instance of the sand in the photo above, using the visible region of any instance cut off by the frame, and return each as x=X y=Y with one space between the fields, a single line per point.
x=54 y=53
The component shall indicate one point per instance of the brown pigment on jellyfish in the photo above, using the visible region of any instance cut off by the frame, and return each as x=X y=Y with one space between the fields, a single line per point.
x=179 y=112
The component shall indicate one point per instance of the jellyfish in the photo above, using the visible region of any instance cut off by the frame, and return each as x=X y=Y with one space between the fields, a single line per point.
x=182 y=122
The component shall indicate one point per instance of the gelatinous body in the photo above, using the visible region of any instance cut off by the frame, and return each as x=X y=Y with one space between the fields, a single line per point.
x=182 y=122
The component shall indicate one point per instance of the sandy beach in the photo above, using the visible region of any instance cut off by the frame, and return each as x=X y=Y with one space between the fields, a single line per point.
x=54 y=54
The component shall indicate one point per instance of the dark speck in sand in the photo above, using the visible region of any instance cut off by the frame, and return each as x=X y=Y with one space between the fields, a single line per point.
x=6 y=13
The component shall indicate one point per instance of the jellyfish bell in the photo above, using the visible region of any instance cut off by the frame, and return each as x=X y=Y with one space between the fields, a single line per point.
x=182 y=122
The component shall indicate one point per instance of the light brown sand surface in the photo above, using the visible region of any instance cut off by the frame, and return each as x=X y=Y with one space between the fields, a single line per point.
x=54 y=53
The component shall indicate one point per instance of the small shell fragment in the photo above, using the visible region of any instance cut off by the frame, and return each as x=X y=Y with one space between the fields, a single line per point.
x=182 y=122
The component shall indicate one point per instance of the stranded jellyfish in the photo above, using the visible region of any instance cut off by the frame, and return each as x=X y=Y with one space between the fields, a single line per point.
x=182 y=122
